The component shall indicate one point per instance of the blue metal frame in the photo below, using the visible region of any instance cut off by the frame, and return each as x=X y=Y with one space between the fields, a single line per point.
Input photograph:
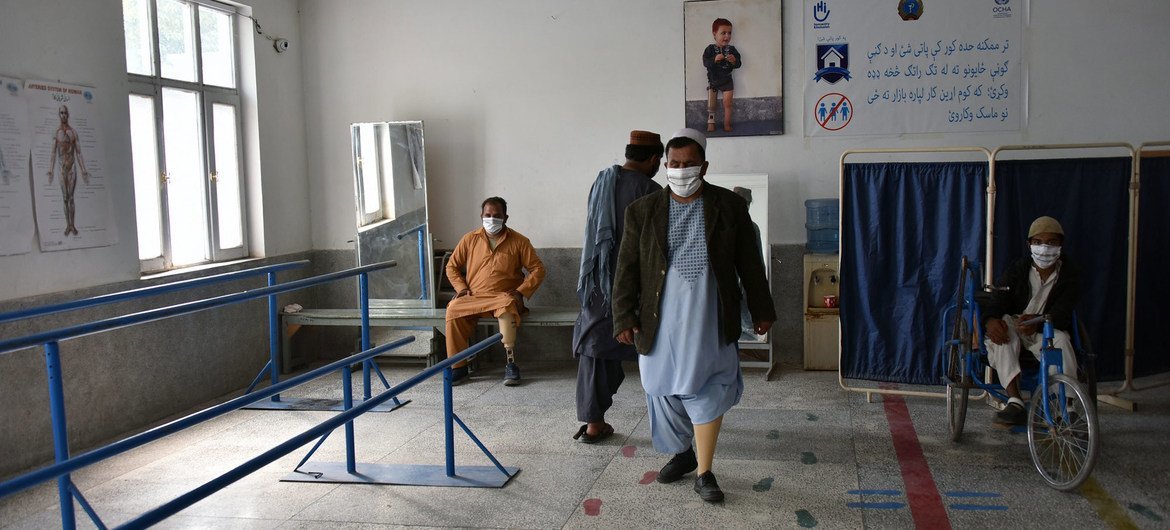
x=50 y=340
x=422 y=256
x=153 y=290
x=62 y=469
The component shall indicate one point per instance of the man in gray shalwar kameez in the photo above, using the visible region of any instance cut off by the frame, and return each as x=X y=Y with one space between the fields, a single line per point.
x=600 y=356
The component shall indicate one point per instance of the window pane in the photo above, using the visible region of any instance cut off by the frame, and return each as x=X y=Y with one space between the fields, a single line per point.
x=183 y=146
x=144 y=151
x=227 y=185
x=136 y=24
x=176 y=39
x=218 y=46
x=369 y=168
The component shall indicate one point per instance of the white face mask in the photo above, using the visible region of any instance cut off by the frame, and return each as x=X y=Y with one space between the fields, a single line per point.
x=493 y=225
x=1045 y=255
x=684 y=181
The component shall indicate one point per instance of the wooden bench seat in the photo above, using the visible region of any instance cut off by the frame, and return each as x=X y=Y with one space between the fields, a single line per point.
x=422 y=319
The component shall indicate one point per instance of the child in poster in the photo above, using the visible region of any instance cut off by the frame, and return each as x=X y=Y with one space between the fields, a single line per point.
x=720 y=59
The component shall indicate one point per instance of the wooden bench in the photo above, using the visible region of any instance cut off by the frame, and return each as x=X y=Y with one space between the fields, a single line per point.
x=422 y=319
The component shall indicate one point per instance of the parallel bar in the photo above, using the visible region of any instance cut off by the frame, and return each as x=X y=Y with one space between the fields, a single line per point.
x=60 y=434
x=146 y=291
x=179 y=309
x=36 y=477
x=209 y=488
x=273 y=339
x=347 y=404
x=364 y=300
x=448 y=428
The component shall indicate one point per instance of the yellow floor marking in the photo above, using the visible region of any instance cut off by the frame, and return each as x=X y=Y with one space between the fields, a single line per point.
x=1107 y=508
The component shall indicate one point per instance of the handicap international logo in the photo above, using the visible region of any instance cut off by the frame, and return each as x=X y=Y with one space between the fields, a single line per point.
x=12 y=88
x=832 y=63
x=821 y=15
x=88 y=95
x=910 y=9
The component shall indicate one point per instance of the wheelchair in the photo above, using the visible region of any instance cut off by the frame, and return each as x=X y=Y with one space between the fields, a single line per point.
x=1063 y=433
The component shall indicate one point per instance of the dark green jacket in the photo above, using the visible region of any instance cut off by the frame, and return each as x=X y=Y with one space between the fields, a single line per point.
x=731 y=249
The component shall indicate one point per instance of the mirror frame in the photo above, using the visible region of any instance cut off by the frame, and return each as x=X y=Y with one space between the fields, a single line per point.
x=366 y=226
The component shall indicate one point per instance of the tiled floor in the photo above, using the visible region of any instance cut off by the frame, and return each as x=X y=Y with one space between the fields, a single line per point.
x=796 y=452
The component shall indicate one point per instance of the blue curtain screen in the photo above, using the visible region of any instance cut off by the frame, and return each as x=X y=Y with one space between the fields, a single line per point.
x=1090 y=198
x=1152 y=296
x=905 y=228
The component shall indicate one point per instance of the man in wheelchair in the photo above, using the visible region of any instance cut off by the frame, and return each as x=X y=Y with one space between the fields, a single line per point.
x=1044 y=282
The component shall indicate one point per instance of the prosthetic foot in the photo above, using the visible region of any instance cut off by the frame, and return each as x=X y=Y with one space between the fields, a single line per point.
x=511 y=371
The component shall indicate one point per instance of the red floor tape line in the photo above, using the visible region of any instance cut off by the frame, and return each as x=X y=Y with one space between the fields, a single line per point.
x=925 y=503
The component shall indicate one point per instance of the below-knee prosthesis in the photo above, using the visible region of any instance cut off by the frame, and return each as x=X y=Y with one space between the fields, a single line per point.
x=508 y=330
x=711 y=110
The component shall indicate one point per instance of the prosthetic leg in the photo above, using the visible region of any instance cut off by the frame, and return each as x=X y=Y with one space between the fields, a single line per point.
x=710 y=109
x=508 y=330
x=706 y=436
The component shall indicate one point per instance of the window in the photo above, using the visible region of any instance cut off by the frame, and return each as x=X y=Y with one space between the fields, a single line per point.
x=185 y=123
x=373 y=160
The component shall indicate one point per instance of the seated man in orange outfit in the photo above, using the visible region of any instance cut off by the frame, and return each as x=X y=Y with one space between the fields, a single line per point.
x=487 y=271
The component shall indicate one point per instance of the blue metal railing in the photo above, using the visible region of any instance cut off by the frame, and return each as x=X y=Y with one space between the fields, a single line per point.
x=421 y=230
x=144 y=292
x=50 y=340
x=63 y=468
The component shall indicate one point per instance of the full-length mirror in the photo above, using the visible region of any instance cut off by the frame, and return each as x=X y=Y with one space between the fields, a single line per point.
x=389 y=170
x=754 y=189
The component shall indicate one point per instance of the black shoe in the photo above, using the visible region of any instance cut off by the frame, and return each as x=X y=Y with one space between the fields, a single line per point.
x=1012 y=414
x=458 y=376
x=678 y=466
x=708 y=488
x=511 y=374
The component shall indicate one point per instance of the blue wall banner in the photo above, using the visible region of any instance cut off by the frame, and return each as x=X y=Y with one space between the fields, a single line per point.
x=913 y=66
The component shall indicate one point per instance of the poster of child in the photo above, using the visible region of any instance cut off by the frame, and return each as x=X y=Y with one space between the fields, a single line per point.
x=733 y=67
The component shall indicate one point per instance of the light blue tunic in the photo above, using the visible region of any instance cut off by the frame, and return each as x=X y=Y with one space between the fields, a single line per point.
x=688 y=364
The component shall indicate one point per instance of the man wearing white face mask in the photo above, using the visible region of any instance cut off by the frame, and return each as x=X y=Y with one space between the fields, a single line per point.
x=1042 y=283
x=494 y=284
x=676 y=297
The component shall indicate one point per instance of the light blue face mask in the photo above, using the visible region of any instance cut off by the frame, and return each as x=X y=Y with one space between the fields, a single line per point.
x=493 y=225
x=1045 y=256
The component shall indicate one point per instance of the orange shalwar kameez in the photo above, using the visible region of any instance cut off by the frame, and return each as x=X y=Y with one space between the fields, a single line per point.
x=491 y=276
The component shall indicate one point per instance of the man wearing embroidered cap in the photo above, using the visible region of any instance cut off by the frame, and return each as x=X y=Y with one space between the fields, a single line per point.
x=1045 y=282
x=600 y=356
x=676 y=297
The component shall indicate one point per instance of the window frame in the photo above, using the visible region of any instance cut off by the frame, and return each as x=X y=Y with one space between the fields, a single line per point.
x=152 y=86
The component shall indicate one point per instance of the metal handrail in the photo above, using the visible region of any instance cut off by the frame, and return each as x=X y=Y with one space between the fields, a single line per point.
x=207 y=489
x=67 y=492
x=143 y=292
x=152 y=315
x=121 y=446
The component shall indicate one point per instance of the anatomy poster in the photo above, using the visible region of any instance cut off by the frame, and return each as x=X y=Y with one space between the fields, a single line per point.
x=913 y=66
x=70 y=185
x=16 y=214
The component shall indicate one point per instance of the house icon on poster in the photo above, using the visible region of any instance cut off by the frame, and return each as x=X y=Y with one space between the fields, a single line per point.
x=832 y=62
x=832 y=58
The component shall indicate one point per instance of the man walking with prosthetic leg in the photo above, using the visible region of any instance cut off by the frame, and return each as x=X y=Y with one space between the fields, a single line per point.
x=676 y=297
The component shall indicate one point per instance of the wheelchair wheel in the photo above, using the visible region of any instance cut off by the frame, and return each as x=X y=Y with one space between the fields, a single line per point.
x=959 y=386
x=1065 y=451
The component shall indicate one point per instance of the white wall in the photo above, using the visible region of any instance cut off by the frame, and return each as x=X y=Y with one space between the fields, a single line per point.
x=528 y=99
x=81 y=43
x=76 y=43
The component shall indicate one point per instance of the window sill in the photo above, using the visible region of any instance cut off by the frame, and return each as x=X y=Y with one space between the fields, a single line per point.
x=227 y=266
